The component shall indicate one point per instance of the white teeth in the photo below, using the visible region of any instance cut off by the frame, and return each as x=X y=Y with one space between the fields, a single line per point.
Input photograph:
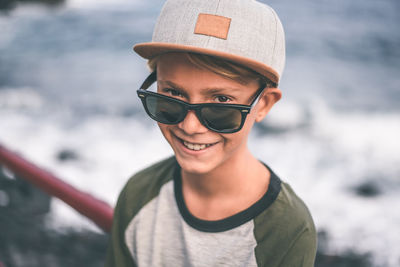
x=195 y=147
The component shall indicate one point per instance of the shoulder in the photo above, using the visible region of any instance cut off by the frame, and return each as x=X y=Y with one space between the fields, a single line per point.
x=154 y=175
x=289 y=206
x=145 y=185
x=286 y=229
x=138 y=191
x=288 y=215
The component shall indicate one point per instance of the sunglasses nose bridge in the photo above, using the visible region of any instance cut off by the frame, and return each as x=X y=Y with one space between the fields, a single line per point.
x=192 y=122
x=195 y=108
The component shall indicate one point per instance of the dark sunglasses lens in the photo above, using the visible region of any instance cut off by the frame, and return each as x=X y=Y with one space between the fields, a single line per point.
x=222 y=118
x=164 y=110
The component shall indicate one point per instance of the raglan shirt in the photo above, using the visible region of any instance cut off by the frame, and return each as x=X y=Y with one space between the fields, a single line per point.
x=153 y=227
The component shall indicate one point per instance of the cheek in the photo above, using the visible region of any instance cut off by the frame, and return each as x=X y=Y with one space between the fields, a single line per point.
x=165 y=131
x=241 y=136
x=236 y=140
x=254 y=114
x=248 y=124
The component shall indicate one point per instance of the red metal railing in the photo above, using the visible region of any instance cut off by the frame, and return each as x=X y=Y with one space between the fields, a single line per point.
x=96 y=210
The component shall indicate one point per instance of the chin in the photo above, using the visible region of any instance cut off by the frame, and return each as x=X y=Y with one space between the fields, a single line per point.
x=195 y=166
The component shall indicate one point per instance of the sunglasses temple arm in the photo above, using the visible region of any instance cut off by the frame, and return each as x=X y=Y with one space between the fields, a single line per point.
x=149 y=80
x=257 y=96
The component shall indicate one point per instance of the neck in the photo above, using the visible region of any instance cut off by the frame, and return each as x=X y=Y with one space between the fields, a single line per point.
x=230 y=178
x=234 y=186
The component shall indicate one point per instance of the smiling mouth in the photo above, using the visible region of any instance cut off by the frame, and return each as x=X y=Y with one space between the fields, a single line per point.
x=196 y=147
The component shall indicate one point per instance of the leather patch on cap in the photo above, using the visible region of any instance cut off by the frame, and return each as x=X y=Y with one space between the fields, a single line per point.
x=212 y=25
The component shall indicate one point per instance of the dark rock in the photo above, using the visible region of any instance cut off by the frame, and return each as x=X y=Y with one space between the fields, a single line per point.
x=7 y=4
x=348 y=259
x=26 y=241
x=322 y=240
x=23 y=199
x=67 y=155
x=37 y=246
x=10 y=4
x=368 y=189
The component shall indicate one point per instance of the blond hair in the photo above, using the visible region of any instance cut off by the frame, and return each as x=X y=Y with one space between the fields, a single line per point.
x=222 y=67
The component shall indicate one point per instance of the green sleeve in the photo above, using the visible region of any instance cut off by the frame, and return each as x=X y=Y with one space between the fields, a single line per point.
x=285 y=246
x=285 y=233
x=302 y=252
x=118 y=254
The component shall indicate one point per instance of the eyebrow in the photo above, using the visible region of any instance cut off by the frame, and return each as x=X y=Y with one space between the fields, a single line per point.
x=204 y=91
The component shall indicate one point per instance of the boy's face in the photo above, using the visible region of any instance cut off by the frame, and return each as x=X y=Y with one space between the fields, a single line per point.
x=197 y=149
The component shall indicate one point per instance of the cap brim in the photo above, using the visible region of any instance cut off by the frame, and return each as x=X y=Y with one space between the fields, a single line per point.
x=153 y=49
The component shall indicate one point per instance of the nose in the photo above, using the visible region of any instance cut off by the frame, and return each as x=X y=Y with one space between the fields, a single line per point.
x=191 y=124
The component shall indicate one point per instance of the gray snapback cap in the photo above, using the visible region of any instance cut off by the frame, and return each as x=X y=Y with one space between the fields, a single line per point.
x=246 y=32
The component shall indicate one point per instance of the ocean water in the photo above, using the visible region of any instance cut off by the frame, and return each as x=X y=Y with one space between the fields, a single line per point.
x=68 y=80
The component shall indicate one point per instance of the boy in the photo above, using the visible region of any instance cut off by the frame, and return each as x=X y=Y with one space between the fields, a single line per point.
x=217 y=64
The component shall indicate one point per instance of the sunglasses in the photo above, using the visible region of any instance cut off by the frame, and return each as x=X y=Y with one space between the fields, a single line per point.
x=217 y=117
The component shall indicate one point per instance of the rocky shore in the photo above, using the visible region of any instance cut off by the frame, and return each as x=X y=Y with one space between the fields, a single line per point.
x=10 y=4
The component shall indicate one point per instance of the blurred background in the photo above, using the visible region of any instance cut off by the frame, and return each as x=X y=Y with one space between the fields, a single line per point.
x=68 y=80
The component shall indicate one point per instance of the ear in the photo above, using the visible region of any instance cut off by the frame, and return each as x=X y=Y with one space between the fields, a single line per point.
x=269 y=98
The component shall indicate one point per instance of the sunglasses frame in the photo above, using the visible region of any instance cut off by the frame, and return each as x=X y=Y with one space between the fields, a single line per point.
x=244 y=109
